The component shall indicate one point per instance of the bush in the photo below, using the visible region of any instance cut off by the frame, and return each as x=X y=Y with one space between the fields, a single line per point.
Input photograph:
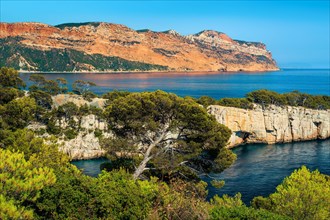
x=98 y=133
x=70 y=133
x=302 y=195
x=266 y=97
x=236 y=102
x=244 y=213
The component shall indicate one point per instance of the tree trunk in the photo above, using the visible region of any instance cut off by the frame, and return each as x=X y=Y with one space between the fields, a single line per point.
x=142 y=166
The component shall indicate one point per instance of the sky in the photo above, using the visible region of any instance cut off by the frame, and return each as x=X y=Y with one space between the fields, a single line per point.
x=296 y=32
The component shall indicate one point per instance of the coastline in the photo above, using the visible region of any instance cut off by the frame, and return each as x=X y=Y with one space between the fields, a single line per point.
x=153 y=71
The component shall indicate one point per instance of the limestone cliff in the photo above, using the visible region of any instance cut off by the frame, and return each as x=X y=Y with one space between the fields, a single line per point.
x=98 y=46
x=85 y=145
x=273 y=124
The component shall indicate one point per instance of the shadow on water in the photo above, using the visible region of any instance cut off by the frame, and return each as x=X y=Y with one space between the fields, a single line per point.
x=259 y=168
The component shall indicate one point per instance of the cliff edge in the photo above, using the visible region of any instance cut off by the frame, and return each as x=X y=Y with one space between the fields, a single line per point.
x=273 y=124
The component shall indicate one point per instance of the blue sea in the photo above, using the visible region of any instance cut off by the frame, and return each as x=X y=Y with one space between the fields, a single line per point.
x=216 y=85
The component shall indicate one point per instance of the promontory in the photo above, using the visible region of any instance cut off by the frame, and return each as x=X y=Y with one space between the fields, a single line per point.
x=107 y=47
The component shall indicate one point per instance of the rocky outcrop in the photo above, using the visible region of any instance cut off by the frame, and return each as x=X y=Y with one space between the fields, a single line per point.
x=273 y=124
x=86 y=144
x=78 y=100
x=98 y=46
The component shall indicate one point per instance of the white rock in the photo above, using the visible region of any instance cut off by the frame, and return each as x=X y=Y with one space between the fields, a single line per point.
x=274 y=124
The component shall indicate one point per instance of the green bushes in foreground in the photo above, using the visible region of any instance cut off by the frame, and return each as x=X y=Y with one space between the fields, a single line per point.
x=47 y=186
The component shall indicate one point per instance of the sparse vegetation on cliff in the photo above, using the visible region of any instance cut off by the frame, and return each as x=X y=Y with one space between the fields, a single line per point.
x=265 y=97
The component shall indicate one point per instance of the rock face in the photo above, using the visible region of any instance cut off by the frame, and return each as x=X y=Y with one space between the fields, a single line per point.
x=101 y=46
x=274 y=124
x=85 y=145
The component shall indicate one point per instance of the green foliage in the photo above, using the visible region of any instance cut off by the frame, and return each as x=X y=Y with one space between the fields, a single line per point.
x=67 y=110
x=98 y=133
x=9 y=94
x=243 y=213
x=71 y=197
x=43 y=99
x=34 y=148
x=302 y=195
x=9 y=210
x=70 y=133
x=51 y=87
x=181 y=200
x=21 y=183
x=111 y=96
x=128 y=199
x=227 y=201
x=82 y=87
x=228 y=208
x=266 y=97
x=18 y=113
x=87 y=110
x=9 y=77
x=236 y=102
x=89 y=95
x=149 y=118
x=218 y=183
x=113 y=195
x=206 y=101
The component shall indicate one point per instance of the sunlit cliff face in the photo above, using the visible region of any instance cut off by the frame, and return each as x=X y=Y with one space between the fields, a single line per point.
x=204 y=51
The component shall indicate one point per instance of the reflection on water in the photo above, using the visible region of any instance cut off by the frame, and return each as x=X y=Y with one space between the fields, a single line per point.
x=260 y=168
x=216 y=85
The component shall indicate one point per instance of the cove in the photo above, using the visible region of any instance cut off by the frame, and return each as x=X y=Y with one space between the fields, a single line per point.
x=259 y=168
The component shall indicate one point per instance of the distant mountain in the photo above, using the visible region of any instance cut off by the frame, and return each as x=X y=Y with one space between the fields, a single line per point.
x=98 y=46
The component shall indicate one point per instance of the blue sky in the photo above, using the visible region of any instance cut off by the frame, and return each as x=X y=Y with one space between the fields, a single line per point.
x=296 y=32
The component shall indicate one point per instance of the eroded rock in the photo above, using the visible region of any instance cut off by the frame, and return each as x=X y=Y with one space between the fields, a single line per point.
x=274 y=124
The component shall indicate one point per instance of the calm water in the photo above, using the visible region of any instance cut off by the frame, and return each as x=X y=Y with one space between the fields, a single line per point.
x=258 y=169
x=197 y=84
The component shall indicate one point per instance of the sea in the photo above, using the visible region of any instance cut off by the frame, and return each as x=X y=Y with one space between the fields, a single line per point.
x=216 y=85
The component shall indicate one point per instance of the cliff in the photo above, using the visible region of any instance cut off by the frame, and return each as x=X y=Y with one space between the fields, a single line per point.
x=273 y=124
x=97 y=46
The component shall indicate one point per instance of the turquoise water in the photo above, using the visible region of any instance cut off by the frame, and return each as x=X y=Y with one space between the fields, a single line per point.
x=216 y=85
x=90 y=167
x=259 y=168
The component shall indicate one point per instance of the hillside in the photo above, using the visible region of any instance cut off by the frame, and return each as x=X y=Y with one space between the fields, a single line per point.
x=97 y=46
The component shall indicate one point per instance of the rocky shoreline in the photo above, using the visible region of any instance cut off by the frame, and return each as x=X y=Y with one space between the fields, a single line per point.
x=273 y=124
